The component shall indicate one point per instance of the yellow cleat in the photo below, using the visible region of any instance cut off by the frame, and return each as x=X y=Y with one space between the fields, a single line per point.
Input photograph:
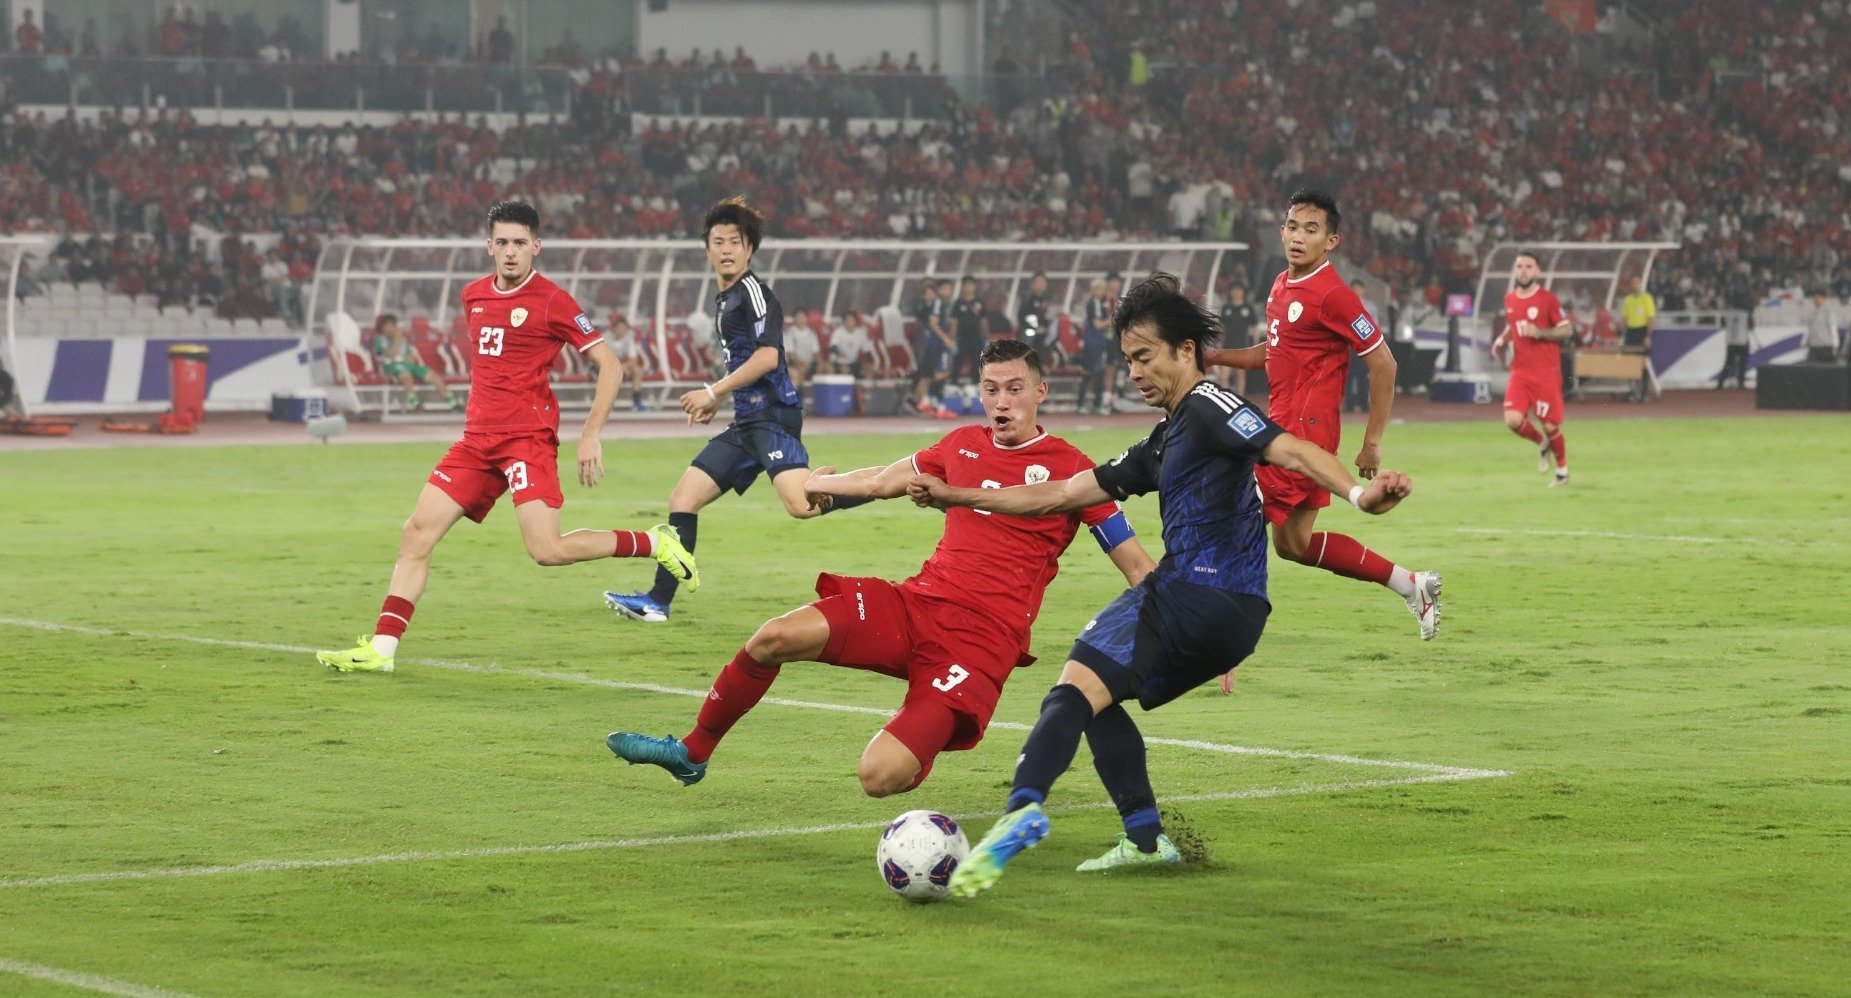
x=360 y=659
x=671 y=555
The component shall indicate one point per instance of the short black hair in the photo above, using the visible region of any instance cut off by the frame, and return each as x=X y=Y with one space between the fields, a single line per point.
x=380 y=323
x=1159 y=300
x=1004 y=351
x=735 y=211
x=1038 y=273
x=1529 y=253
x=516 y=213
x=944 y=281
x=1317 y=199
x=972 y=278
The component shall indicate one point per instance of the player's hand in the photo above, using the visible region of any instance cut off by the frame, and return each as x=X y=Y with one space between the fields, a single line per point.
x=590 y=461
x=700 y=405
x=1368 y=460
x=1497 y=349
x=819 y=501
x=1385 y=492
x=929 y=492
x=1227 y=682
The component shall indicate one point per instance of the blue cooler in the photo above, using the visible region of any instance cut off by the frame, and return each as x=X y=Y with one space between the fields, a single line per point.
x=832 y=394
x=299 y=406
x=1467 y=388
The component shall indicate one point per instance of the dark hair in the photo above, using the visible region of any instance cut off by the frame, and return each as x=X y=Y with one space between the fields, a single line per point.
x=380 y=323
x=972 y=278
x=734 y=211
x=1159 y=300
x=1317 y=199
x=943 y=281
x=514 y=213
x=1004 y=351
x=1038 y=273
x=1113 y=275
x=1523 y=253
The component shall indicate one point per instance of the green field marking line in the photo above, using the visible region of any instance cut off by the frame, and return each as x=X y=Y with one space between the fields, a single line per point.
x=490 y=852
x=88 y=982
x=615 y=684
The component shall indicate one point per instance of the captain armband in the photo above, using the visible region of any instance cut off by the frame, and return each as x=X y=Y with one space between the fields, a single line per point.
x=1112 y=531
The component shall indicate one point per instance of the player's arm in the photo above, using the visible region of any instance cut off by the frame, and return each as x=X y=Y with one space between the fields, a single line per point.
x=864 y=483
x=1251 y=358
x=1294 y=454
x=1381 y=364
x=1132 y=560
x=1562 y=332
x=701 y=403
x=590 y=442
x=1066 y=496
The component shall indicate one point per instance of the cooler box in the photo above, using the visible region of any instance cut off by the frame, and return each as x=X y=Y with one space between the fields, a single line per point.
x=832 y=394
x=298 y=407
x=1471 y=388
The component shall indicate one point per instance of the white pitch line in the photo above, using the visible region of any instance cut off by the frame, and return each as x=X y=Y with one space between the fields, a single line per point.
x=614 y=684
x=88 y=982
x=277 y=865
x=1616 y=535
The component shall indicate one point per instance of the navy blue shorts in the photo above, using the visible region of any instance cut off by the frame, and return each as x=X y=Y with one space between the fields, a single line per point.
x=928 y=357
x=1160 y=639
x=1093 y=358
x=767 y=443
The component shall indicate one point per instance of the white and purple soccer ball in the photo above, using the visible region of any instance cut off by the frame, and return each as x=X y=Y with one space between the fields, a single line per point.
x=918 y=852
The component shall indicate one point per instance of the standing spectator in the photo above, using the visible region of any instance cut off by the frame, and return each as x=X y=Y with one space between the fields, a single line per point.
x=501 y=42
x=801 y=348
x=967 y=320
x=27 y=39
x=1239 y=320
x=1035 y=324
x=1114 y=284
x=931 y=341
x=1637 y=310
x=1821 y=322
x=1356 y=385
x=1738 y=336
x=1095 y=324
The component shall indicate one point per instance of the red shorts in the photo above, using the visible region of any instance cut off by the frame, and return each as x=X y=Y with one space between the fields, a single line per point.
x=1535 y=396
x=479 y=468
x=1283 y=491
x=954 y=665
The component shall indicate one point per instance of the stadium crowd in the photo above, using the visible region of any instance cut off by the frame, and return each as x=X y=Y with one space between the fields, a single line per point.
x=1727 y=135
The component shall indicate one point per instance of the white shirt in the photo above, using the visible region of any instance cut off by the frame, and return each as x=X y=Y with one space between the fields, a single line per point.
x=800 y=343
x=849 y=344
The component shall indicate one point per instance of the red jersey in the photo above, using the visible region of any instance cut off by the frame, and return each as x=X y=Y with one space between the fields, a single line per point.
x=1531 y=356
x=1313 y=323
x=1000 y=566
x=517 y=335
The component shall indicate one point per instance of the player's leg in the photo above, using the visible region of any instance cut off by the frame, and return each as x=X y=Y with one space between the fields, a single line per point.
x=696 y=489
x=1556 y=448
x=1340 y=554
x=1119 y=759
x=410 y=386
x=432 y=518
x=539 y=524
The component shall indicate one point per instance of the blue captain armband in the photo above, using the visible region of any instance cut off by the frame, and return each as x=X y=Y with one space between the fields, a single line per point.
x=1112 y=531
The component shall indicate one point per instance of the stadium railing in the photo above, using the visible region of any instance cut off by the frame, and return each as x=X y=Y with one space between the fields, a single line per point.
x=664 y=290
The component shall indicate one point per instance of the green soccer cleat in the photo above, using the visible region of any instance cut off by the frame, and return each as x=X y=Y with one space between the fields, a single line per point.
x=1020 y=829
x=671 y=555
x=1127 y=853
x=667 y=752
x=360 y=659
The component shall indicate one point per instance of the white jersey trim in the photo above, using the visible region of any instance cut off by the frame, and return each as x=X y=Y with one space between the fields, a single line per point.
x=1039 y=438
x=1307 y=277
x=756 y=293
x=1371 y=348
x=495 y=286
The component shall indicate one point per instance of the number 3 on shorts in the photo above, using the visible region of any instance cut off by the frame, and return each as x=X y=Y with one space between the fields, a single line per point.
x=953 y=676
x=517 y=476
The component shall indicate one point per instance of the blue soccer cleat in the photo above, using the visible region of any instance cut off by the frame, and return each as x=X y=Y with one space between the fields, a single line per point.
x=1020 y=829
x=667 y=752
x=637 y=606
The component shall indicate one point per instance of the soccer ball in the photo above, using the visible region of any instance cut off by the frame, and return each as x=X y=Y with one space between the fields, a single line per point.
x=917 y=854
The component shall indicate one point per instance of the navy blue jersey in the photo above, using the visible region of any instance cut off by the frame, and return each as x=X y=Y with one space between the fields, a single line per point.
x=1200 y=462
x=749 y=317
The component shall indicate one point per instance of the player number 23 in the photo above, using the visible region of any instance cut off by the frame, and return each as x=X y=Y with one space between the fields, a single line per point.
x=490 y=343
x=517 y=475
x=953 y=676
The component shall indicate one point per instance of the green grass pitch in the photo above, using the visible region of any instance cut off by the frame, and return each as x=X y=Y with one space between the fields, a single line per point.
x=1656 y=656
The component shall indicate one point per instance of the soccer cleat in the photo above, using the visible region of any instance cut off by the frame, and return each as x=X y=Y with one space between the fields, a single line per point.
x=1424 y=603
x=667 y=752
x=637 y=606
x=1127 y=853
x=360 y=659
x=1561 y=478
x=671 y=555
x=1545 y=461
x=1020 y=829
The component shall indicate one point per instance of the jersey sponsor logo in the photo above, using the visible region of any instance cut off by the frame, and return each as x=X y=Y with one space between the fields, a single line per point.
x=1294 y=310
x=973 y=455
x=1247 y=423
x=584 y=323
x=1035 y=475
x=478 y=308
x=516 y=317
x=1362 y=327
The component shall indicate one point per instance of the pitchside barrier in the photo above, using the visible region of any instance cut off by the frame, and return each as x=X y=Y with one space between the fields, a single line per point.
x=665 y=291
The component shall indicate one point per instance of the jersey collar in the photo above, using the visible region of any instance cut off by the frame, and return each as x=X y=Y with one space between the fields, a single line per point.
x=1039 y=437
x=495 y=285
x=1307 y=277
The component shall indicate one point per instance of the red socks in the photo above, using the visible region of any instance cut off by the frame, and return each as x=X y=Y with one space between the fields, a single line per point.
x=634 y=544
x=1528 y=432
x=1347 y=557
x=1559 y=447
x=394 y=617
x=736 y=689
